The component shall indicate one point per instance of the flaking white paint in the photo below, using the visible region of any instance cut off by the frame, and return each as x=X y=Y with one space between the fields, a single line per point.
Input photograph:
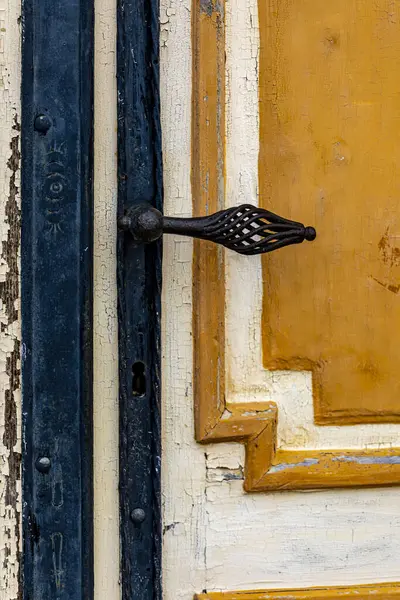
x=105 y=385
x=300 y=539
x=184 y=473
x=10 y=400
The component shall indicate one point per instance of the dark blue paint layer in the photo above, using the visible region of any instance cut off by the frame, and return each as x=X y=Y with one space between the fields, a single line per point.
x=57 y=299
x=139 y=283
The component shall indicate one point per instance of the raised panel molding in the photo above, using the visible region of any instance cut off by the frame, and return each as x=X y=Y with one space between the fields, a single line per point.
x=267 y=467
x=380 y=591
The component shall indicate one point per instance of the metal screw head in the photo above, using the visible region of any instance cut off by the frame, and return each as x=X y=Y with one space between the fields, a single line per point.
x=43 y=464
x=42 y=123
x=138 y=516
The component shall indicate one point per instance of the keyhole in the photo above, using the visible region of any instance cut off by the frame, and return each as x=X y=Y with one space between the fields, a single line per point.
x=138 y=379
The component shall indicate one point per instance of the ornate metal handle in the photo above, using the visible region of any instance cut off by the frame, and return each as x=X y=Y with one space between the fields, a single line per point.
x=246 y=229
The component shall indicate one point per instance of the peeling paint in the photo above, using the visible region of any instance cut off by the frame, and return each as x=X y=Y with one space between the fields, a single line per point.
x=394 y=288
x=211 y=6
x=390 y=254
x=10 y=456
x=9 y=289
x=9 y=292
x=224 y=474
x=308 y=462
x=230 y=540
x=369 y=460
x=206 y=6
x=260 y=414
x=226 y=415
x=10 y=335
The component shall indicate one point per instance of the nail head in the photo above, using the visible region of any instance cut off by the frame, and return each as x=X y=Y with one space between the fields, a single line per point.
x=43 y=464
x=138 y=515
x=42 y=123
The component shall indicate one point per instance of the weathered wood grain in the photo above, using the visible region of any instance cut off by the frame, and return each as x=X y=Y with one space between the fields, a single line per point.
x=10 y=405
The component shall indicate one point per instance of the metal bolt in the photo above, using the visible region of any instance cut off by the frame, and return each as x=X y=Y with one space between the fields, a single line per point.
x=43 y=464
x=138 y=516
x=42 y=123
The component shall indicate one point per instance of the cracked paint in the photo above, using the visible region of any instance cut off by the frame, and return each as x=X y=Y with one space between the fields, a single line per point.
x=308 y=462
x=226 y=539
x=10 y=397
x=369 y=460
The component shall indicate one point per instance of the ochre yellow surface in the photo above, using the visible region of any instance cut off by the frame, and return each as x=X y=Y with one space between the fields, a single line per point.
x=379 y=591
x=208 y=128
x=330 y=157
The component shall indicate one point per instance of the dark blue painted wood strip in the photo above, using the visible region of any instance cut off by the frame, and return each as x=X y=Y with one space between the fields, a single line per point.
x=57 y=298
x=139 y=282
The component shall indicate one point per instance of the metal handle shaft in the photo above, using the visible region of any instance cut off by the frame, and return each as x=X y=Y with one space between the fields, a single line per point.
x=246 y=229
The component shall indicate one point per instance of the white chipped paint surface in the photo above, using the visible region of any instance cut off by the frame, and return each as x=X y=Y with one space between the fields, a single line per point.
x=184 y=465
x=216 y=537
x=10 y=398
x=105 y=385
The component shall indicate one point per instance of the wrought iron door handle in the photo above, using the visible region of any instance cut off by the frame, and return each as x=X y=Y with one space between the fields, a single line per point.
x=246 y=229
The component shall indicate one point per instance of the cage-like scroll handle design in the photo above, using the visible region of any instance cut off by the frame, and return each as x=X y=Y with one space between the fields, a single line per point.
x=245 y=229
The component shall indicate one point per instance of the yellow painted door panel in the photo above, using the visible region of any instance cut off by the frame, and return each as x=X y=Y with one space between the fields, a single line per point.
x=329 y=155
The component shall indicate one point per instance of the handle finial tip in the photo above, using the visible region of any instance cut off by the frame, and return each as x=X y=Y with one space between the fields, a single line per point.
x=310 y=234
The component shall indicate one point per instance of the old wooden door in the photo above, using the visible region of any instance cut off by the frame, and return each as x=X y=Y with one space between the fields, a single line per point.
x=280 y=388
x=295 y=107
